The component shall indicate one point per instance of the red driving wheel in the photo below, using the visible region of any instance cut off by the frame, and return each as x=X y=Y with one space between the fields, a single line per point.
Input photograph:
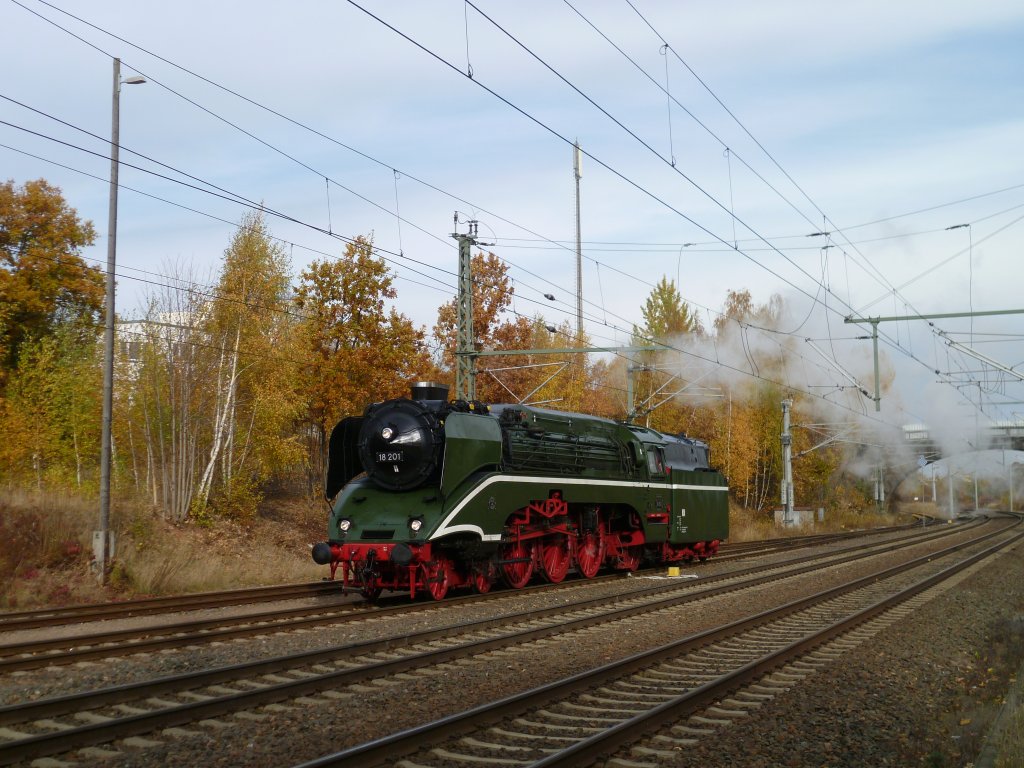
x=555 y=557
x=589 y=553
x=517 y=565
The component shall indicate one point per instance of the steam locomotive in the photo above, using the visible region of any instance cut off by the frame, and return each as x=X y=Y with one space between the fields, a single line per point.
x=438 y=494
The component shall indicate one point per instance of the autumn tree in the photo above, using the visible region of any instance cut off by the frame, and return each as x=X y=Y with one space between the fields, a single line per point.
x=667 y=320
x=816 y=466
x=250 y=325
x=50 y=417
x=563 y=380
x=743 y=427
x=750 y=419
x=666 y=315
x=49 y=371
x=762 y=483
x=44 y=282
x=354 y=349
x=207 y=408
x=492 y=296
x=169 y=399
x=511 y=378
x=740 y=309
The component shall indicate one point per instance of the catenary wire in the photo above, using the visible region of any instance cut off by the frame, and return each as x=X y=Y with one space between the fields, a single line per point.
x=50 y=5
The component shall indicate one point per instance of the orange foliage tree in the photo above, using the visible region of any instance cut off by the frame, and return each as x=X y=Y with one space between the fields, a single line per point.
x=565 y=380
x=354 y=350
x=44 y=283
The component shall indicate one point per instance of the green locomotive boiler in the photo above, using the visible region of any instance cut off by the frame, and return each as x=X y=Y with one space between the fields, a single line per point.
x=436 y=495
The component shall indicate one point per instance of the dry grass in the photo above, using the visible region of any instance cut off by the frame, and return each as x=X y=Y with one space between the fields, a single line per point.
x=46 y=550
x=749 y=525
x=193 y=563
x=45 y=543
x=46 y=547
x=927 y=508
x=1010 y=744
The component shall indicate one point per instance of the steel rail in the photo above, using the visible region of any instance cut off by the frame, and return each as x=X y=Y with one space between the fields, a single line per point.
x=736 y=580
x=96 y=733
x=625 y=733
x=69 y=650
x=387 y=750
x=771 y=546
x=62 y=615
x=45 y=617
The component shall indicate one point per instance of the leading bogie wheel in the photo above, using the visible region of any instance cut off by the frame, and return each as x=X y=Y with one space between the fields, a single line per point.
x=482 y=577
x=436 y=577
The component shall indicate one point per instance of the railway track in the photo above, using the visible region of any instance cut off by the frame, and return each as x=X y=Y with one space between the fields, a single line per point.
x=772 y=546
x=72 y=614
x=35 y=654
x=669 y=697
x=12 y=621
x=62 y=651
x=54 y=726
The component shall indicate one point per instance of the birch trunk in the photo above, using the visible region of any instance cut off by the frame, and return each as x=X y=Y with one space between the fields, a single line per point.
x=223 y=415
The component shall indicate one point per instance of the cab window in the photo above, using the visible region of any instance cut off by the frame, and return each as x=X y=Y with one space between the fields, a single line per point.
x=655 y=461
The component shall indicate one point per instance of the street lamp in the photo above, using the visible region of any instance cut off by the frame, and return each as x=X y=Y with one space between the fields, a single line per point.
x=101 y=539
x=679 y=265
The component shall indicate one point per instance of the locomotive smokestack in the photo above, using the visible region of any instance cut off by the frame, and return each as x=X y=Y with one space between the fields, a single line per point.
x=429 y=390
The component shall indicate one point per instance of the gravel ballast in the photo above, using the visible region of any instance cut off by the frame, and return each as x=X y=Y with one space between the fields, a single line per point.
x=920 y=693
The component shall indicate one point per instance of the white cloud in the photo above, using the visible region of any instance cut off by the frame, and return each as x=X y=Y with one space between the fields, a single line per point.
x=873 y=108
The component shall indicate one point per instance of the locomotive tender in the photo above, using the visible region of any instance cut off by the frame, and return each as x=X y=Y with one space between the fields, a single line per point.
x=438 y=494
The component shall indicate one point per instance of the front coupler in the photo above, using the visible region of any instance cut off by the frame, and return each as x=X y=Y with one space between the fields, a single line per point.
x=373 y=567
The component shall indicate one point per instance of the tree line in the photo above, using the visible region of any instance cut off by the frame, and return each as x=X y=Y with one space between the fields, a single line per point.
x=227 y=393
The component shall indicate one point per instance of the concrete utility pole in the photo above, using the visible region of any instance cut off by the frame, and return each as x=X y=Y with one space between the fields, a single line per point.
x=103 y=539
x=949 y=482
x=465 y=346
x=577 y=167
x=880 y=489
x=787 y=464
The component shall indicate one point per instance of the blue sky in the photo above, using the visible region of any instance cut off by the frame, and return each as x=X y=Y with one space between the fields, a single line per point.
x=874 y=109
